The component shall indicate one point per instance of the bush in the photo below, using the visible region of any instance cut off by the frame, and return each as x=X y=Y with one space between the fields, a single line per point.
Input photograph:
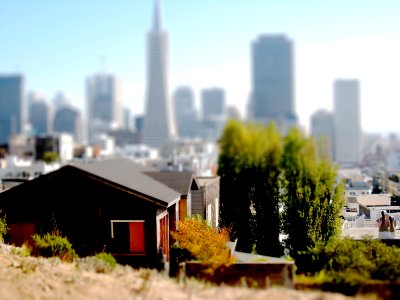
x=3 y=226
x=107 y=258
x=100 y=263
x=50 y=245
x=203 y=242
x=352 y=261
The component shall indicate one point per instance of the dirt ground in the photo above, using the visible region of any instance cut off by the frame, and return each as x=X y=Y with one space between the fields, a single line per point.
x=39 y=278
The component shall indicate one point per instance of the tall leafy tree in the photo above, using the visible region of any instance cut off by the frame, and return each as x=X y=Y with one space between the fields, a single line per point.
x=235 y=203
x=312 y=200
x=249 y=166
x=266 y=178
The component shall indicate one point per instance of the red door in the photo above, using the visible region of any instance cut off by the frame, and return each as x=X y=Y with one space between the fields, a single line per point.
x=136 y=237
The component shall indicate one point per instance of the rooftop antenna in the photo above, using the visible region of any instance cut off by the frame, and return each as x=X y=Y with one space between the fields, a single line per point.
x=157 y=16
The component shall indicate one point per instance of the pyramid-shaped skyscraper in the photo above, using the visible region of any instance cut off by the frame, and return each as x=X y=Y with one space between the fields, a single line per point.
x=159 y=126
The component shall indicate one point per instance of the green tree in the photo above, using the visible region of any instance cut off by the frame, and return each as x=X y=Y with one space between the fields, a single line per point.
x=249 y=166
x=235 y=203
x=312 y=199
x=50 y=157
x=266 y=173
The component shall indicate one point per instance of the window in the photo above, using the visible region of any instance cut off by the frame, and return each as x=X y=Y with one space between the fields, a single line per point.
x=128 y=236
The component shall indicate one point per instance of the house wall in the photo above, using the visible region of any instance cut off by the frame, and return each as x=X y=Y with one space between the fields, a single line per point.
x=81 y=209
x=211 y=201
x=197 y=203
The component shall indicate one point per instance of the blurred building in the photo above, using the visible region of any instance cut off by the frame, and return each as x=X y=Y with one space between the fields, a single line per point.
x=272 y=81
x=67 y=119
x=322 y=128
x=233 y=112
x=159 y=123
x=347 y=122
x=62 y=144
x=39 y=114
x=128 y=120
x=213 y=113
x=104 y=107
x=186 y=118
x=213 y=103
x=12 y=106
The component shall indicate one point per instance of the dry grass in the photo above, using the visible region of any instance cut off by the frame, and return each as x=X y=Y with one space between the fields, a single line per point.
x=24 y=277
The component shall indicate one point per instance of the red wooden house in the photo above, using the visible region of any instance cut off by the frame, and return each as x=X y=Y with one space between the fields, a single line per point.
x=112 y=205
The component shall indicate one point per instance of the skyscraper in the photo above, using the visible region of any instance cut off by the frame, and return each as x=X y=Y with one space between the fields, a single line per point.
x=322 y=128
x=185 y=112
x=213 y=103
x=104 y=107
x=273 y=81
x=12 y=106
x=214 y=113
x=67 y=119
x=39 y=114
x=159 y=126
x=347 y=122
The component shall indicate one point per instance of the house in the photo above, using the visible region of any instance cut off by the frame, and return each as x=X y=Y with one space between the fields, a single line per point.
x=208 y=204
x=112 y=205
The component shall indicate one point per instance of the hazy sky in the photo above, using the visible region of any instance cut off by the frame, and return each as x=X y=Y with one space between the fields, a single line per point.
x=57 y=44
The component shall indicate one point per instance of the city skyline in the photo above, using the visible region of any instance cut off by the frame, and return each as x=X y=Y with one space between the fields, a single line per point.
x=57 y=45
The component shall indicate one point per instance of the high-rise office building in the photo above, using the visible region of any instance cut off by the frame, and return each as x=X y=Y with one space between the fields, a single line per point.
x=39 y=114
x=128 y=119
x=159 y=125
x=104 y=107
x=272 y=81
x=67 y=119
x=213 y=103
x=186 y=118
x=12 y=106
x=347 y=122
x=322 y=128
x=213 y=112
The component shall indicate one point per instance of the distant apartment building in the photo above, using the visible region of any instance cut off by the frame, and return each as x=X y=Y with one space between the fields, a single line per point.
x=186 y=118
x=347 y=122
x=272 y=81
x=12 y=106
x=322 y=129
x=104 y=107
x=39 y=114
x=62 y=144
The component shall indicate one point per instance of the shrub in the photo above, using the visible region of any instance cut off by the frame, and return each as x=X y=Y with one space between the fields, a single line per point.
x=100 y=263
x=24 y=250
x=3 y=226
x=351 y=261
x=50 y=245
x=203 y=242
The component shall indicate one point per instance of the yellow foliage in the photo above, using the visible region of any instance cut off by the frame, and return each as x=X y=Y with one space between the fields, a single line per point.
x=205 y=243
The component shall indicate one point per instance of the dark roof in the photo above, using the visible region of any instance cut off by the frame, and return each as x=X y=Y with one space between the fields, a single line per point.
x=181 y=182
x=131 y=175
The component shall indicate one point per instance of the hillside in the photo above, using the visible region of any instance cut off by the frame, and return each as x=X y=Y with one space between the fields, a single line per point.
x=40 y=278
